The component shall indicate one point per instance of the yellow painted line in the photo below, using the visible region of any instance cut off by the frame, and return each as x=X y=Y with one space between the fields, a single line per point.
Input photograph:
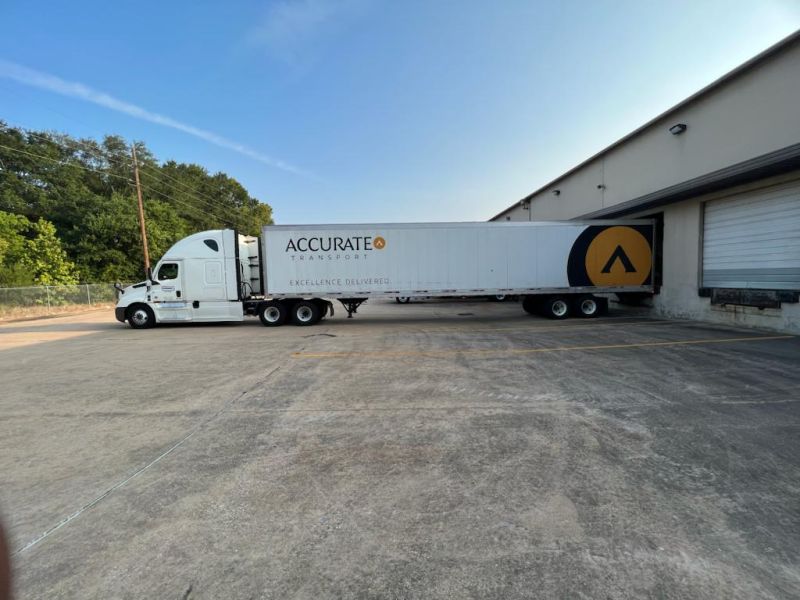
x=402 y=353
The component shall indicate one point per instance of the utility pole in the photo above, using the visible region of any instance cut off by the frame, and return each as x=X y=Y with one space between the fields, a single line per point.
x=141 y=213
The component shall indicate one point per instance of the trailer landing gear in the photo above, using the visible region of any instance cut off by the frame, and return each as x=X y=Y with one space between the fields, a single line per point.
x=351 y=305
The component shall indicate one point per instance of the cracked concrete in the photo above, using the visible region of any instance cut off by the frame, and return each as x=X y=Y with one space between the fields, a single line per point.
x=419 y=453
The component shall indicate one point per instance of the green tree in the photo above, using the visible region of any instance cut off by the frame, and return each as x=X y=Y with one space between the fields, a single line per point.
x=44 y=257
x=31 y=253
x=83 y=188
x=12 y=250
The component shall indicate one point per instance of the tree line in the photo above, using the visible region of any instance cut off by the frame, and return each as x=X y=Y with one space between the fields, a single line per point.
x=68 y=207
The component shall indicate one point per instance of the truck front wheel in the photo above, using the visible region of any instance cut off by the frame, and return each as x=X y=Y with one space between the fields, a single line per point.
x=272 y=314
x=140 y=316
x=305 y=312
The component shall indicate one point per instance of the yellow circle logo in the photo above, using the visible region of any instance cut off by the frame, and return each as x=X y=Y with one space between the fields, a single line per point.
x=379 y=243
x=618 y=256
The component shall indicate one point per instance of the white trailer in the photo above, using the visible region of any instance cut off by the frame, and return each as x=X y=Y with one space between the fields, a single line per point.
x=293 y=272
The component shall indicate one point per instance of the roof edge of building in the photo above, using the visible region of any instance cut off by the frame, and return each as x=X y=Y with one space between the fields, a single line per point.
x=767 y=165
x=779 y=46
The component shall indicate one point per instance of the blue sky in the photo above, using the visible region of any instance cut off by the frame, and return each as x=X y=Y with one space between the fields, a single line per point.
x=372 y=110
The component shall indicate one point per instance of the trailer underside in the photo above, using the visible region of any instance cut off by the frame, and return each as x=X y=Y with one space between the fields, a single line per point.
x=557 y=304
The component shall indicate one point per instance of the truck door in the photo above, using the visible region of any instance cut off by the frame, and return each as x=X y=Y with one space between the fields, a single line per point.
x=168 y=296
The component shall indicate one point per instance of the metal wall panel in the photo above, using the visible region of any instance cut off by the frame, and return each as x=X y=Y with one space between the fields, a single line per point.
x=752 y=240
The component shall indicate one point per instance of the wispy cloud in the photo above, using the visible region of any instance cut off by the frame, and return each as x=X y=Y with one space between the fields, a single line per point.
x=51 y=83
x=290 y=27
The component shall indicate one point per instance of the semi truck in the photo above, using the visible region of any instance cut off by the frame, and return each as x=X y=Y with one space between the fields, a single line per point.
x=293 y=273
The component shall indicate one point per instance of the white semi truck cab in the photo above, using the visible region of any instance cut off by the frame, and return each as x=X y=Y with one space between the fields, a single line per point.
x=204 y=277
x=291 y=273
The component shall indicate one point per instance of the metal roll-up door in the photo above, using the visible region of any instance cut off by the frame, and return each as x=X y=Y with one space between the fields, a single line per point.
x=752 y=240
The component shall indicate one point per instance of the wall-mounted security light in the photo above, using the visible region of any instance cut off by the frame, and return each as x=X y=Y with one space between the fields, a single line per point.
x=678 y=128
x=525 y=204
x=556 y=192
x=601 y=186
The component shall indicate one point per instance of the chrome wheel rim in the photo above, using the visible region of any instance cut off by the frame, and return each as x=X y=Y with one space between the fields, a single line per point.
x=140 y=317
x=588 y=307
x=304 y=314
x=560 y=308
x=272 y=314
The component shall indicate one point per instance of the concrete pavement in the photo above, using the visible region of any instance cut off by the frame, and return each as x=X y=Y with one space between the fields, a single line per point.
x=431 y=450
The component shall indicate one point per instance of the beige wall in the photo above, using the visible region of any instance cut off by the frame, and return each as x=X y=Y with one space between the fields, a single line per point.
x=516 y=213
x=751 y=115
x=579 y=195
x=681 y=270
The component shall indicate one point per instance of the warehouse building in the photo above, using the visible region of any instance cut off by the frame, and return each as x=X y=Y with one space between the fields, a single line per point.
x=720 y=173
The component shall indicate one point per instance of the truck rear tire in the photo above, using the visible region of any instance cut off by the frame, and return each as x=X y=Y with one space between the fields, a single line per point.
x=140 y=316
x=530 y=304
x=402 y=299
x=305 y=313
x=555 y=307
x=586 y=306
x=323 y=306
x=272 y=313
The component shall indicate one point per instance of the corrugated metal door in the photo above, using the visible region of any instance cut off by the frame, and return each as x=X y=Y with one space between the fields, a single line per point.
x=752 y=240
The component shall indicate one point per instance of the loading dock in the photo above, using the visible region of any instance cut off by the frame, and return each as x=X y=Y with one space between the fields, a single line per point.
x=721 y=172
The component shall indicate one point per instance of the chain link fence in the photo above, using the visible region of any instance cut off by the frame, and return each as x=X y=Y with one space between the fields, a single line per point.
x=21 y=302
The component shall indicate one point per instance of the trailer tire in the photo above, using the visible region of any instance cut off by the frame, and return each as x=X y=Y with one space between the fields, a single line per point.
x=323 y=308
x=305 y=312
x=530 y=304
x=402 y=299
x=140 y=316
x=272 y=313
x=555 y=307
x=587 y=306
x=497 y=298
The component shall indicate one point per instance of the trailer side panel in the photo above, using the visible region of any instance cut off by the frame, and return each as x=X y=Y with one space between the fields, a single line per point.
x=456 y=258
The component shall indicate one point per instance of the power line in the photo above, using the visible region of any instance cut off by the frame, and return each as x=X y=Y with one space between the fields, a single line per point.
x=64 y=164
x=61 y=162
x=213 y=202
x=53 y=138
x=194 y=191
x=157 y=173
x=197 y=210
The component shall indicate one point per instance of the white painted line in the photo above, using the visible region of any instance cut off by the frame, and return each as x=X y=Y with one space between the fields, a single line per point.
x=116 y=486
